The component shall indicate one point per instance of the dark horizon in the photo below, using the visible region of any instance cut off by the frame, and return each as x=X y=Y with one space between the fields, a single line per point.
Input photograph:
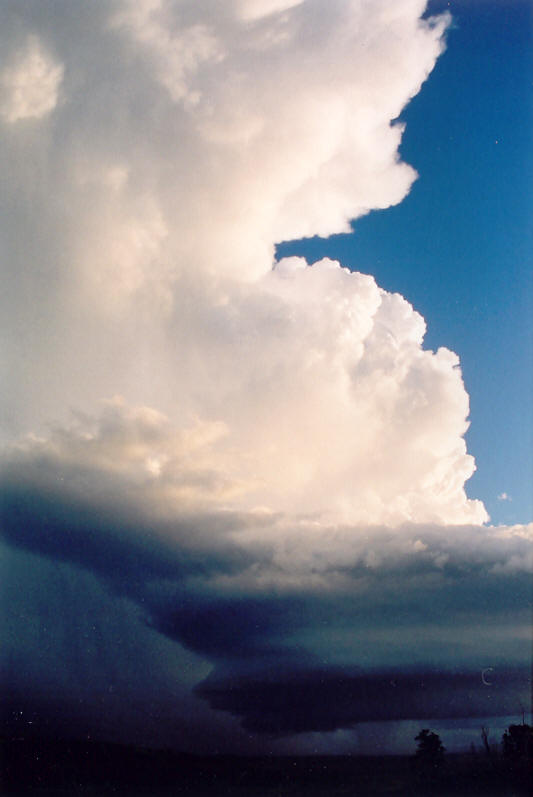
x=113 y=768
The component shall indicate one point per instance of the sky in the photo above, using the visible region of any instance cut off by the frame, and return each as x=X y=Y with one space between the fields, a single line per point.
x=267 y=306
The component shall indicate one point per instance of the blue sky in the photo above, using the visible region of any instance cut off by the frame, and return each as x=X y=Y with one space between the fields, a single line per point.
x=460 y=246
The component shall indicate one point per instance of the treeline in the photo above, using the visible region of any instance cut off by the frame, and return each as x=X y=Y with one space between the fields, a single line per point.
x=508 y=764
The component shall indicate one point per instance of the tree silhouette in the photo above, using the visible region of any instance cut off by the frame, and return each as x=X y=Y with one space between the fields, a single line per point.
x=429 y=745
x=517 y=748
x=429 y=756
x=491 y=753
x=518 y=743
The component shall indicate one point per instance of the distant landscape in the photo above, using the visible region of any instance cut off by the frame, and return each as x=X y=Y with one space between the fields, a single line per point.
x=53 y=768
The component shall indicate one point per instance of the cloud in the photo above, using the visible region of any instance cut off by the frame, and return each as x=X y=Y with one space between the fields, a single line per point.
x=504 y=497
x=317 y=386
x=322 y=701
x=276 y=603
x=29 y=83
x=255 y=9
x=78 y=661
x=188 y=141
x=278 y=496
x=138 y=479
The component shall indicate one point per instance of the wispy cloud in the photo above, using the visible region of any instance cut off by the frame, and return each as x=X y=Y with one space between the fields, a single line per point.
x=504 y=497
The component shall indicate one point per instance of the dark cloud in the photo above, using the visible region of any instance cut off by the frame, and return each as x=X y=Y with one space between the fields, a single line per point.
x=325 y=700
x=116 y=544
x=236 y=628
x=385 y=631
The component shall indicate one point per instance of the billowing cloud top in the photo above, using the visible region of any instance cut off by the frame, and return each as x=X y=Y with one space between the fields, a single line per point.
x=188 y=139
x=141 y=226
x=280 y=427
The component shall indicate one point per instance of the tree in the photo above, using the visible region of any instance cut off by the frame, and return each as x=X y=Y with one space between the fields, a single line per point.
x=518 y=743
x=486 y=744
x=429 y=745
x=429 y=756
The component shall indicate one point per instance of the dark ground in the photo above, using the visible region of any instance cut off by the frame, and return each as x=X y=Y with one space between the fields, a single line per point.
x=48 y=768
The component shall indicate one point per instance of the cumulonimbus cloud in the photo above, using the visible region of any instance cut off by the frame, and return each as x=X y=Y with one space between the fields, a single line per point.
x=286 y=457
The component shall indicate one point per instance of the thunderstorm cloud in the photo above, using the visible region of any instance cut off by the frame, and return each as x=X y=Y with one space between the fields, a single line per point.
x=245 y=476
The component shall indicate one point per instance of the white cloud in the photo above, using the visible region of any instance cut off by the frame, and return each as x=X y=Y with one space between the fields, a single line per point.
x=255 y=9
x=29 y=82
x=175 y=55
x=140 y=237
x=141 y=258
x=322 y=397
x=504 y=497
